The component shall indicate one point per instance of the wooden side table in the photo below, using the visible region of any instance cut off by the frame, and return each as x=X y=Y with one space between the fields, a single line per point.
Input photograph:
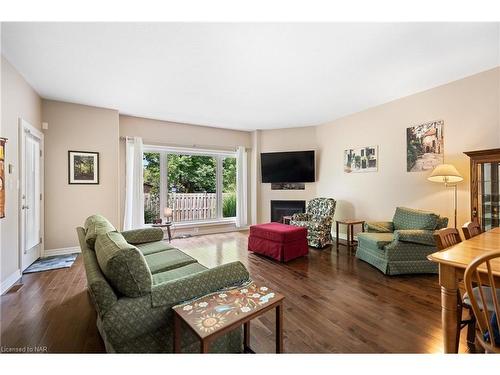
x=350 y=231
x=165 y=225
x=215 y=314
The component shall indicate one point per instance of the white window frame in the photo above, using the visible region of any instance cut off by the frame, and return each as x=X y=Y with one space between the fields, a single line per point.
x=219 y=157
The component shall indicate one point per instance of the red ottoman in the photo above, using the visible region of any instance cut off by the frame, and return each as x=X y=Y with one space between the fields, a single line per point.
x=278 y=241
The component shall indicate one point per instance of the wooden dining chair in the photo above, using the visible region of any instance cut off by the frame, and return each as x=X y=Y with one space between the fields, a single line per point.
x=445 y=238
x=485 y=300
x=471 y=229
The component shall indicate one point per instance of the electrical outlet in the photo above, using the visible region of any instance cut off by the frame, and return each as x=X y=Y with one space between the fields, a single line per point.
x=196 y=230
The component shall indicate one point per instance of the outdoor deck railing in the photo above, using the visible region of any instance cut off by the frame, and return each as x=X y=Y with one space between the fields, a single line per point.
x=186 y=206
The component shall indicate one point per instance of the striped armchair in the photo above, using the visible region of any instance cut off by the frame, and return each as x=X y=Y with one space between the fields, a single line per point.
x=318 y=220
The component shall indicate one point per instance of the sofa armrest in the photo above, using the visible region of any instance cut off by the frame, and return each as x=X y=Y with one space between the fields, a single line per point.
x=419 y=236
x=171 y=293
x=143 y=235
x=379 y=226
x=301 y=217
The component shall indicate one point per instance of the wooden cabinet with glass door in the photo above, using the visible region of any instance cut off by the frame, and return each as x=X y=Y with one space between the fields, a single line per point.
x=485 y=187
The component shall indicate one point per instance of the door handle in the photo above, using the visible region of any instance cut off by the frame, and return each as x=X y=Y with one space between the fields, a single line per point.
x=23 y=207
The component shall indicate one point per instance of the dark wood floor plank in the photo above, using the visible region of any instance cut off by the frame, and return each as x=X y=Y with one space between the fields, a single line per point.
x=334 y=304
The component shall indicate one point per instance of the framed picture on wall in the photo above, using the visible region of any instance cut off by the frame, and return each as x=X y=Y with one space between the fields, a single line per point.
x=83 y=167
x=424 y=146
x=361 y=159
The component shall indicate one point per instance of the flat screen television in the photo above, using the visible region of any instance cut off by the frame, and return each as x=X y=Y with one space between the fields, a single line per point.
x=294 y=166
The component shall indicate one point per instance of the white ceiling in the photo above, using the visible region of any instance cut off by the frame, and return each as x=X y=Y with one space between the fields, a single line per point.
x=245 y=76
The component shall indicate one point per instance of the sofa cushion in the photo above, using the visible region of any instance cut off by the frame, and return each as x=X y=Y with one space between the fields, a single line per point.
x=177 y=273
x=278 y=232
x=123 y=265
x=167 y=260
x=375 y=240
x=143 y=235
x=154 y=247
x=408 y=218
x=95 y=225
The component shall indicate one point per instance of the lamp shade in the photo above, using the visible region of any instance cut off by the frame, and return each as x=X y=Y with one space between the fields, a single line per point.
x=446 y=173
x=167 y=212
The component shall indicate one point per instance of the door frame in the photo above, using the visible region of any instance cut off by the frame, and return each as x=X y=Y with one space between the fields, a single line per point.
x=25 y=126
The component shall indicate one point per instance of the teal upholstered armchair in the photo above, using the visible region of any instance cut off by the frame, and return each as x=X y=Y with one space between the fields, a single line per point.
x=318 y=220
x=401 y=246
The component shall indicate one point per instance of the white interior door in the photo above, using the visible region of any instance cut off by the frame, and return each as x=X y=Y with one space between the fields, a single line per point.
x=31 y=194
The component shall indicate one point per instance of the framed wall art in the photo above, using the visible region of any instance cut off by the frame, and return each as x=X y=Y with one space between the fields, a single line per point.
x=83 y=167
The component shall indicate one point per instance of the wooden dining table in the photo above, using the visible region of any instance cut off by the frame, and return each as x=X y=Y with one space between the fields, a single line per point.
x=452 y=264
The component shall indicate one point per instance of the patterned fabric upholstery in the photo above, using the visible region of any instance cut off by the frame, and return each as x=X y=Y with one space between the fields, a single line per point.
x=143 y=324
x=123 y=264
x=167 y=260
x=397 y=248
x=154 y=247
x=318 y=221
x=409 y=218
x=139 y=236
x=379 y=226
x=95 y=225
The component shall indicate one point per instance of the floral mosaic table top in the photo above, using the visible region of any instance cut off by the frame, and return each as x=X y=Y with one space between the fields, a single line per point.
x=215 y=311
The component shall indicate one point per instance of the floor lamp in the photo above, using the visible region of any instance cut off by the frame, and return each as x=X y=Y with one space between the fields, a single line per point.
x=447 y=174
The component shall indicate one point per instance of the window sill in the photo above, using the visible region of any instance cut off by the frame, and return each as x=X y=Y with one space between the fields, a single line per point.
x=188 y=224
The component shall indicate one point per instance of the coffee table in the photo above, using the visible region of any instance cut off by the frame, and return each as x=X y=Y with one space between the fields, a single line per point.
x=215 y=314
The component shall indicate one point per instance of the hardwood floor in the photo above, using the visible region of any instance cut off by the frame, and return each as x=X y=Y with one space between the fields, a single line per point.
x=334 y=303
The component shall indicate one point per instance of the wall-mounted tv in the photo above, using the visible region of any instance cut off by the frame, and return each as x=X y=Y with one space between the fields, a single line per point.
x=294 y=166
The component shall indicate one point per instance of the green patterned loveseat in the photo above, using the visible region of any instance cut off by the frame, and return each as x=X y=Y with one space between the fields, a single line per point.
x=401 y=246
x=318 y=220
x=134 y=278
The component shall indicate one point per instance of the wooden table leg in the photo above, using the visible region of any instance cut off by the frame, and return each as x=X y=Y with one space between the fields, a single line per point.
x=352 y=236
x=169 y=234
x=348 y=238
x=449 y=316
x=279 y=328
x=246 y=337
x=337 y=234
x=204 y=346
x=177 y=334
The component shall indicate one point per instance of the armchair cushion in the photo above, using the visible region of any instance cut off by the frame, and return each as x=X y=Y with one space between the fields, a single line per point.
x=378 y=240
x=379 y=226
x=424 y=237
x=123 y=265
x=95 y=225
x=408 y=218
x=198 y=284
x=144 y=235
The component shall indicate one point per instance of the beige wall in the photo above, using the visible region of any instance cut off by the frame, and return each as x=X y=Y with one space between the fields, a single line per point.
x=18 y=100
x=293 y=139
x=175 y=134
x=470 y=110
x=81 y=128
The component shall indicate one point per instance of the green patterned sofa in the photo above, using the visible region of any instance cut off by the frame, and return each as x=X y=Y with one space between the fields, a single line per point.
x=401 y=246
x=134 y=278
x=318 y=220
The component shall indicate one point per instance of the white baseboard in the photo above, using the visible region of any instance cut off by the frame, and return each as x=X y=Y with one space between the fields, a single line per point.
x=61 y=251
x=9 y=281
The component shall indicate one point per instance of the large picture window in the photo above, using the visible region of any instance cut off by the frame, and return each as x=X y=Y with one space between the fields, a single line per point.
x=197 y=186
